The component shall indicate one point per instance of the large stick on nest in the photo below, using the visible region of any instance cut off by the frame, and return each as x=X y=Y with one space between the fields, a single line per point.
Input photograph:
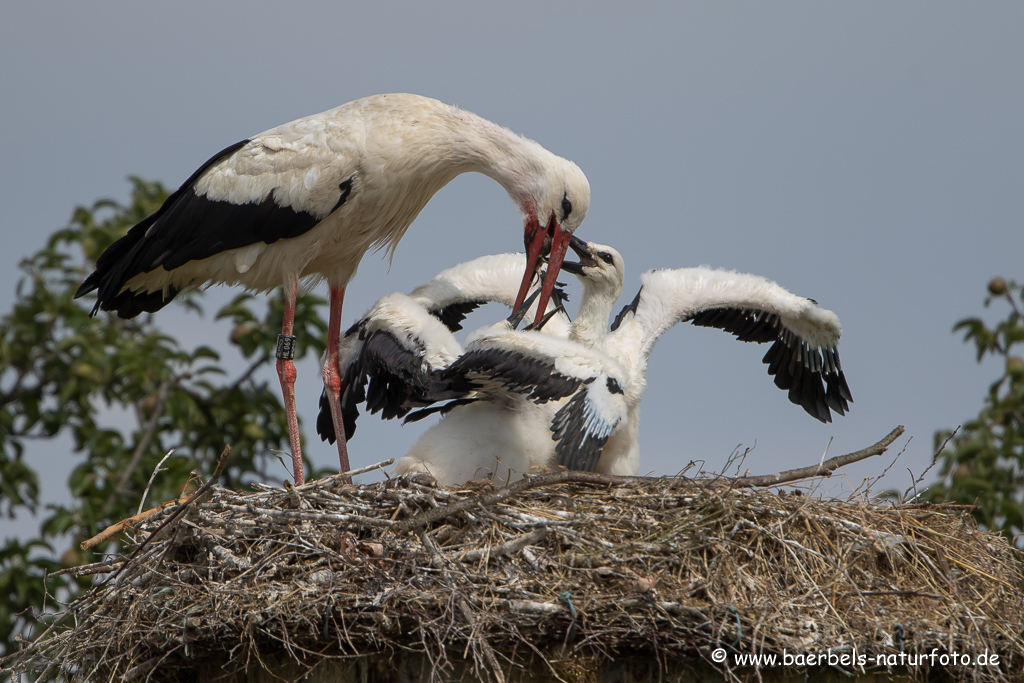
x=822 y=469
x=183 y=501
x=133 y=521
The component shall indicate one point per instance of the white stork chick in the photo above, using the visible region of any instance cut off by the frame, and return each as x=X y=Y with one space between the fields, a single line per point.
x=392 y=356
x=532 y=398
x=309 y=198
x=515 y=370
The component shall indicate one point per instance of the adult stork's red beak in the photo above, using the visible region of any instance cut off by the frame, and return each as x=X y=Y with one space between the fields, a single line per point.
x=554 y=241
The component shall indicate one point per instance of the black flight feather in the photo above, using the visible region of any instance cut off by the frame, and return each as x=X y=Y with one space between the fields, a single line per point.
x=795 y=367
x=577 y=448
x=189 y=227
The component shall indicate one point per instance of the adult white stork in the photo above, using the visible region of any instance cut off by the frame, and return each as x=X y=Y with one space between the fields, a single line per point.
x=392 y=357
x=612 y=367
x=311 y=197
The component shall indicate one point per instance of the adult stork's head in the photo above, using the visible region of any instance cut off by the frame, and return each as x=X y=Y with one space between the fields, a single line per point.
x=554 y=205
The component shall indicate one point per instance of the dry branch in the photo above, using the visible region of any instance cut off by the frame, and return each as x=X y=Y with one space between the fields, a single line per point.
x=134 y=520
x=824 y=469
x=131 y=522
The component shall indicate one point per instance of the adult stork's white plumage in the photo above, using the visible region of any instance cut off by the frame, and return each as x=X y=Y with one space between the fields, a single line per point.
x=311 y=197
x=612 y=368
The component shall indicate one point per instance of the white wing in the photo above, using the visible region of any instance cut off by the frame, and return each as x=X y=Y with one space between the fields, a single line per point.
x=803 y=357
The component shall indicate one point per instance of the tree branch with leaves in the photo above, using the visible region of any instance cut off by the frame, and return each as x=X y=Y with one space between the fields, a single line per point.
x=983 y=464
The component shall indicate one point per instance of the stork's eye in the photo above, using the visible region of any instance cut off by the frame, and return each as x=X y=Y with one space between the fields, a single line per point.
x=566 y=206
x=606 y=257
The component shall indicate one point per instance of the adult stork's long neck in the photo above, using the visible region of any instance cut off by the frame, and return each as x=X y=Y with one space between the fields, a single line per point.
x=552 y=193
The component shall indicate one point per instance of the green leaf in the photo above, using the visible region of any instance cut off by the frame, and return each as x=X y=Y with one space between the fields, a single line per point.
x=991 y=445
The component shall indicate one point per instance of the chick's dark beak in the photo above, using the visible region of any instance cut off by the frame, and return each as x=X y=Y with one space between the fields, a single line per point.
x=582 y=249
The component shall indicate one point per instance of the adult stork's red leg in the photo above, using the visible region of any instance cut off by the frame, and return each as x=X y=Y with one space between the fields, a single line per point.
x=332 y=374
x=286 y=373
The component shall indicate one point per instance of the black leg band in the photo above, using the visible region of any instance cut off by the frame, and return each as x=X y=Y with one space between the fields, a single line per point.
x=285 y=347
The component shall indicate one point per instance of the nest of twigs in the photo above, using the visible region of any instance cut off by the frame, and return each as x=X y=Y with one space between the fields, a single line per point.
x=556 y=577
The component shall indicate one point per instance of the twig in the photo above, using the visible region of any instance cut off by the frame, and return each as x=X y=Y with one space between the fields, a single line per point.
x=151 y=478
x=869 y=482
x=825 y=452
x=346 y=475
x=436 y=558
x=532 y=607
x=824 y=469
x=86 y=569
x=935 y=459
x=311 y=515
x=508 y=547
x=738 y=458
x=221 y=464
x=130 y=522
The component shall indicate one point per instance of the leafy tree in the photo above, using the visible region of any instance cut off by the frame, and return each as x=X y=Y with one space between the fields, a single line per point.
x=125 y=392
x=984 y=463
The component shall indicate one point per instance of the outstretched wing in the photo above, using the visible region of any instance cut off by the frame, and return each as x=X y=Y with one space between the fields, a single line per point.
x=803 y=358
x=797 y=367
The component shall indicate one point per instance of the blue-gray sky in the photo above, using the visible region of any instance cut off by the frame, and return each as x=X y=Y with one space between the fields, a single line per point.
x=869 y=155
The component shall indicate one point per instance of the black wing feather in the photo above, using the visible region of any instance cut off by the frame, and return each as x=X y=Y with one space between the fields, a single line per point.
x=188 y=227
x=577 y=448
x=443 y=409
x=519 y=373
x=628 y=308
x=452 y=315
x=812 y=377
